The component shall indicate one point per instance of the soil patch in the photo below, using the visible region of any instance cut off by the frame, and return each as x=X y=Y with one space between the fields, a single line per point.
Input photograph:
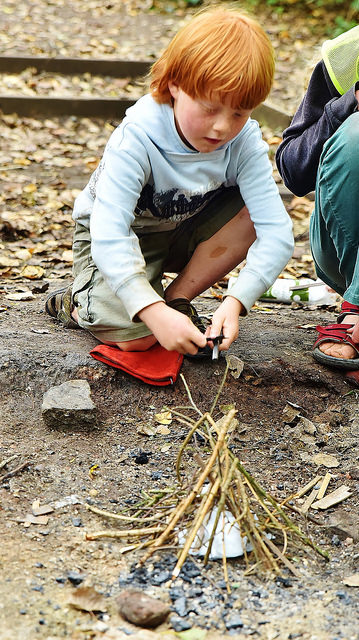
x=44 y=564
x=69 y=468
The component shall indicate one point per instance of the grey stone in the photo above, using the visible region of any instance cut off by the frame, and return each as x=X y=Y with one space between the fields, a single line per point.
x=69 y=406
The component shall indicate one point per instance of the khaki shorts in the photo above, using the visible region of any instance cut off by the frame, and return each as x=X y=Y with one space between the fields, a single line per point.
x=100 y=311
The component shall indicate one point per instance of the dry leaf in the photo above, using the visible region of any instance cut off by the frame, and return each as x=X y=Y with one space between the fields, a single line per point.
x=163 y=430
x=147 y=430
x=32 y=272
x=352 y=581
x=67 y=256
x=165 y=417
x=20 y=297
x=235 y=365
x=326 y=460
x=87 y=599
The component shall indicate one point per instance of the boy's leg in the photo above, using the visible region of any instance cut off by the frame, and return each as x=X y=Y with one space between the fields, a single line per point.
x=200 y=249
x=97 y=309
x=334 y=228
x=214 y=258
x=219 y=243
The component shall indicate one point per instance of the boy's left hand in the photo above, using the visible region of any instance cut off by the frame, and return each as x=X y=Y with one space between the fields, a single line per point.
x=225 y=321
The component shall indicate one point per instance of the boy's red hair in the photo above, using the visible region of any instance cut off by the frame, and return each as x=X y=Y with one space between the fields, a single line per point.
x=220 y=51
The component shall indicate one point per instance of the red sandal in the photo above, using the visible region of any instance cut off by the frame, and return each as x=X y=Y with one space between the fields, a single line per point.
x=335 y=333
x=347 y=308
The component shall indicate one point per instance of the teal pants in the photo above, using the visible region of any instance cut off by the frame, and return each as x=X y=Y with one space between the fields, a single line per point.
x=334 y=225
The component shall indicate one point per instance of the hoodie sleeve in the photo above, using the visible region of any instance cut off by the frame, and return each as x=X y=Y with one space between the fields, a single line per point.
x=114 y=245
x=319 y=115
x=273 y=247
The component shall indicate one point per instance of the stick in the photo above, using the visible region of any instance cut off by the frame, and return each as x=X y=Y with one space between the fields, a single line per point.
x=227 y=481
x=324 y=486
x=283 y=558
x=309 y=501
x=118 y=516
x=7 y=460
x=186 y=502
x=127 y=533
x=15 y=471
x=185 y=443
x=190 y=538
x=287 y=520
x=189 y=394
x=219 y=389
x=307 y=487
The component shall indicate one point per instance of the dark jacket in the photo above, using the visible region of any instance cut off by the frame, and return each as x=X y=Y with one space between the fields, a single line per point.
x=320 y=113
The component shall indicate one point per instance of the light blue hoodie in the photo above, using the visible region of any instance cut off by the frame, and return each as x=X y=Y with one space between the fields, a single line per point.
x=149 y=180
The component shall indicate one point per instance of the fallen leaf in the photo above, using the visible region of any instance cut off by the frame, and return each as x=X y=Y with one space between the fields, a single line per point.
x=32 y=272
x=235 y=365
x=31 y=519
x=87 y=599
x=290 y=413
x=163 y=430
x=352 y=581
x=20 y=297
x=326 y=460
x=307 y=425
x=165 y=417
x=147 y=430
x=165 y=448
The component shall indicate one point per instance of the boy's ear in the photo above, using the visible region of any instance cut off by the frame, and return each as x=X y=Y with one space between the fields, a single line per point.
x=173 y=89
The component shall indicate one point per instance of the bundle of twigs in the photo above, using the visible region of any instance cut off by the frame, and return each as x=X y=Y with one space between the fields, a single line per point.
x=221 y=484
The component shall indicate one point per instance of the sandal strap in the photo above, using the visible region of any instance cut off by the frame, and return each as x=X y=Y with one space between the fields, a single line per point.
x=347 y=308
x=184 y=306
x=59 y=305
x=335 y=333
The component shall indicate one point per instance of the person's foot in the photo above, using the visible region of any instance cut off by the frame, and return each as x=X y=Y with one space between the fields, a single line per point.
x=339 y=349
x=184 y=306
x=59 y=306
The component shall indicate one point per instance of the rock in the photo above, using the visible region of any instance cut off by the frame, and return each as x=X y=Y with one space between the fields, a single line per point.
x=141 y=609
x=179 y=624
x=75 y=578
x=180 y=606
x=233 y=621
x=344 y=525
x=69 y=406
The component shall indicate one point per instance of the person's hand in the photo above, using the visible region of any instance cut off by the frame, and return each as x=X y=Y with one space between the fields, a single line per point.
x=173 y=330
x=225 y=321
x=354 y=332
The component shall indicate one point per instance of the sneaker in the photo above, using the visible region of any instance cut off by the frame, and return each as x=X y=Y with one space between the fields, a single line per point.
x=59 y=305
x=184 y=306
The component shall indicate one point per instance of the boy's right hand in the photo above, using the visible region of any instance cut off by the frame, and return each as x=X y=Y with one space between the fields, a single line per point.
x=173 y=330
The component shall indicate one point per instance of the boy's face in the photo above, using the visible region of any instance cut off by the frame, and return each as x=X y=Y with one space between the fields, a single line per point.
x=205 y=125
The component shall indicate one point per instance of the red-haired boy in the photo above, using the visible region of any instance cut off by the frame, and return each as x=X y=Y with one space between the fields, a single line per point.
x=184 y=186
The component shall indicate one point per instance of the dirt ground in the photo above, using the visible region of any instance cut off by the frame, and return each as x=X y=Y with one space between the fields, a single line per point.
x=42 y=565
x=38 y=561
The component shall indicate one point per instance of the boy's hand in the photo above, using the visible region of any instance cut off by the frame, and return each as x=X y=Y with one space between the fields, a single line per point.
x=225 y=320
x=173 y=330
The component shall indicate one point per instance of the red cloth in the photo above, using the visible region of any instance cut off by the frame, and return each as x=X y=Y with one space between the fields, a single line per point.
x=156 y=366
